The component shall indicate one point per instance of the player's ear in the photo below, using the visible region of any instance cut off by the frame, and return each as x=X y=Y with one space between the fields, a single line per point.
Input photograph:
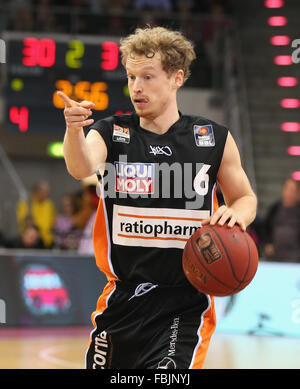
x=178 y=78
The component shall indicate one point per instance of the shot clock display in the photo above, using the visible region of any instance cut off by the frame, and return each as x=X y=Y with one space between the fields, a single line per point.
x=84 y=68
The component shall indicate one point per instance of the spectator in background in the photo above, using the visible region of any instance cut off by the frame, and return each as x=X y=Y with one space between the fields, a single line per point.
x=66 y=234
x=29 y=239
x=86 y=240
x=282 y=225
x=42 y=211
x=86 y=208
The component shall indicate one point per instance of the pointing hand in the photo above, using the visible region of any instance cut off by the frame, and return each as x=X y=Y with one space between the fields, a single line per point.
x=76 y=114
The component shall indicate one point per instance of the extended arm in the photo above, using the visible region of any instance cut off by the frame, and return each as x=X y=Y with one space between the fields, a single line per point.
x=239 y=197
x=83 y=155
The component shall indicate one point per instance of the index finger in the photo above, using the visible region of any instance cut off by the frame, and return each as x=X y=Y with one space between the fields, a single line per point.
x=67 y=101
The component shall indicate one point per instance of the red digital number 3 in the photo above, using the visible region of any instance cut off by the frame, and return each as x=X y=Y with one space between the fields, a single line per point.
x=110 y=56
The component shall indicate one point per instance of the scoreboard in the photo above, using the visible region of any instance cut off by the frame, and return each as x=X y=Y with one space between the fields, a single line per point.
x=83 y=67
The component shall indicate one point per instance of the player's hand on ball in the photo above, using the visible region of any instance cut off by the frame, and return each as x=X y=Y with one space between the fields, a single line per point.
x=76 y=114
x=225 y=215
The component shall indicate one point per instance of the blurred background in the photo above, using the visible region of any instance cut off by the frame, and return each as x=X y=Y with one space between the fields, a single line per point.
x=246 y=77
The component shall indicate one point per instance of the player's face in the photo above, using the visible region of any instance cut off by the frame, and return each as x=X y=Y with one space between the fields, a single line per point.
x=151 y=89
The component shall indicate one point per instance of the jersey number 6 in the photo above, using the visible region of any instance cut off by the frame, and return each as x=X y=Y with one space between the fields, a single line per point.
x=201 y=181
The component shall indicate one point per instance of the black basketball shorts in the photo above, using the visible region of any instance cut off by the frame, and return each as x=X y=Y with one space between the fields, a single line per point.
x=150 y=327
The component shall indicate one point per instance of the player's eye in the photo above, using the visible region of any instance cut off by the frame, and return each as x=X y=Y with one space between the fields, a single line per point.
x=148 y=77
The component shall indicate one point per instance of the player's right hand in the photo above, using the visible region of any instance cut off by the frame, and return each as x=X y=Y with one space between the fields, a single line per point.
x=76 y=114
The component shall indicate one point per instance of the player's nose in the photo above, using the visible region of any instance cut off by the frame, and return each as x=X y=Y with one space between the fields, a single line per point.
x=137 y=86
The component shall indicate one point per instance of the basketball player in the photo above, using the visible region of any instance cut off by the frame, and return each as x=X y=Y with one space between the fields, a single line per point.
x=164 y=166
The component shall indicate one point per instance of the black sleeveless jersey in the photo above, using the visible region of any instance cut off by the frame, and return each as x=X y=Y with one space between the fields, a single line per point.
x=155 y=192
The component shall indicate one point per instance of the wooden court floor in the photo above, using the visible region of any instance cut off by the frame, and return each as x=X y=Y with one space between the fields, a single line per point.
x=65 y=347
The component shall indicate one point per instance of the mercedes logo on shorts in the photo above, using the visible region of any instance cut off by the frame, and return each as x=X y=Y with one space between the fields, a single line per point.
x=166 y=363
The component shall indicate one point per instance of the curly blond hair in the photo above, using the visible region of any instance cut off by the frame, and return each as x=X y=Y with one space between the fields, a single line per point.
x=176 y=51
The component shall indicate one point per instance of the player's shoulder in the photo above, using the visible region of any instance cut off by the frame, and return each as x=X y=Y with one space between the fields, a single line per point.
x=198 y=120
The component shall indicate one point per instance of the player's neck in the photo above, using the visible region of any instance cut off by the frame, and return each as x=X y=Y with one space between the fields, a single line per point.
x=160 y=124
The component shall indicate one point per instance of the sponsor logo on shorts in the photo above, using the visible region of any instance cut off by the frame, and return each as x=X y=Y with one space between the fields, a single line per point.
x=208 y=248
x=155 y=227
x=121 y=134
x=134 y=178
x=204 y=135
x=173 y=337
x=101 y=351
x=167 y=363
x=142 y=289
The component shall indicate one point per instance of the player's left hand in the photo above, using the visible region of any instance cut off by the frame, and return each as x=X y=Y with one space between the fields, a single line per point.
x=224 y=215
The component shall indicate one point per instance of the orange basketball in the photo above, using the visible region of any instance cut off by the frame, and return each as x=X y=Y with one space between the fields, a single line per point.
x=219 y=260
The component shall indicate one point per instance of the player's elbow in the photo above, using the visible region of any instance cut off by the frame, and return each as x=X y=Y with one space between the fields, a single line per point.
x=254 y=200
x=78 y=172
x=77 y=176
